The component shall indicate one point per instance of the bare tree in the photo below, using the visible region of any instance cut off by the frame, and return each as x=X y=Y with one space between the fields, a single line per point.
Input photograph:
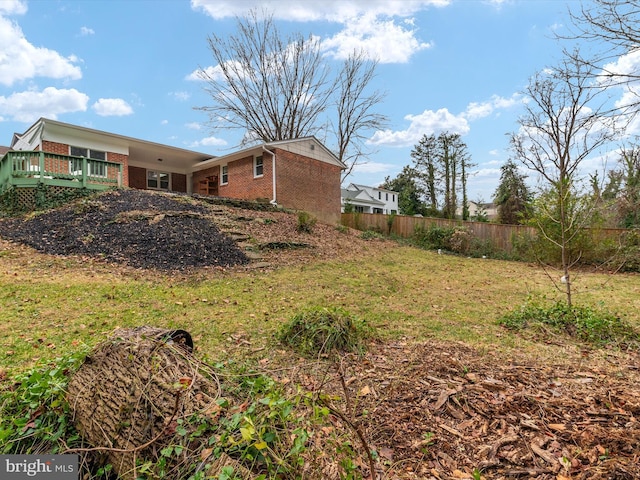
x=355 y=115
x=271 y=87
x=275 y=87
x=612 y=30
x=565 y=122
x=610 y=23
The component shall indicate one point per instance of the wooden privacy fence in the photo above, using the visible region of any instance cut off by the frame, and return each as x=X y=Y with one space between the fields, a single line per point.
x=500 y=236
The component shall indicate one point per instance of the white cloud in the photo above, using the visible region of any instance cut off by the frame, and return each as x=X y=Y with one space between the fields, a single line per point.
x=435 y=122
x=209 y=142
x=164 y=122
x=370 y=26
x=385 y=41
x=331 y=10
x=490 y=173
x=20 y=60
x=30 y=105
x=181 y=96
x=109 y=107
x=85 y=31
x=484 y=109
x=13 y=7
x=193 y=126
x=373 y=167
x=624 y=65
x=213 y=73
x=427 y=122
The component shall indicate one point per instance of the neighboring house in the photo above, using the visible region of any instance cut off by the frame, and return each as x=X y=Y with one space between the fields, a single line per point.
x=488 y=209
x=298 y=174
x=367 y=199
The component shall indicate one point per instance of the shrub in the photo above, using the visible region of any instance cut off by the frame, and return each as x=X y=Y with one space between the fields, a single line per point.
x=454 y=239
x=34 y=414
x=433 y=237
x=306 y=222
x=460 y=240
x=625 y=255
x=320 y=331
x=342 y=228
x=585 y=323
x=371 y=235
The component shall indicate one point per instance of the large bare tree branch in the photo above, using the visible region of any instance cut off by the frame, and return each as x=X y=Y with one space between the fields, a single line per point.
x=274 y=88
x=355 y=110
x=611 y=28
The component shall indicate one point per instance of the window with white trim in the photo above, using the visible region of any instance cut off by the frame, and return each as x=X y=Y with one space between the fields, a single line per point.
x=94 y=169
x=158 y=180
x=224 y=174
x=258 y=166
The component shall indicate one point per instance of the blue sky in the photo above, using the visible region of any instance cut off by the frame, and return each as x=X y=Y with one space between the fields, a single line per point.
x=126 y=66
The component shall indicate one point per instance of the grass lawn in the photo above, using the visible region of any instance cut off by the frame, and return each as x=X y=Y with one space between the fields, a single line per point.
x=51 y=305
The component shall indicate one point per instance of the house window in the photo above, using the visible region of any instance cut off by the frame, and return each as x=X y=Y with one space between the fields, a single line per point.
x=88 y=153
x=393 y=198
x=379 y=195
x=157 y=180
x=224 y=174
x=94 y=169
x=258 y=166
x=386 y=197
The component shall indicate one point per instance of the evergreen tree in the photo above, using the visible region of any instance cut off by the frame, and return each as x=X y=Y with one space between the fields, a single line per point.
x=512 y=195
x=410 y=194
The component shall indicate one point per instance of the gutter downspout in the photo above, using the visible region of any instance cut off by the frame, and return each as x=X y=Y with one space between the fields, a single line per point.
x=273 y=171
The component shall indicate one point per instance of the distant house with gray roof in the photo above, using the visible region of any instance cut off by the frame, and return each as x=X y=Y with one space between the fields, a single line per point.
x=365 y=199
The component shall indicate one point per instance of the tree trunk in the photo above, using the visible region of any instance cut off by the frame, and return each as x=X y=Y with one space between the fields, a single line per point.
x=131 y=389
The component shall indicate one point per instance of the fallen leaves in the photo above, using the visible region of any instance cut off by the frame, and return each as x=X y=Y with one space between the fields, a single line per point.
x=444 y=411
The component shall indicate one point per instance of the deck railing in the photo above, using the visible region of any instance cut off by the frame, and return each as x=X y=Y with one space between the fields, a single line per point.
x=29 y=168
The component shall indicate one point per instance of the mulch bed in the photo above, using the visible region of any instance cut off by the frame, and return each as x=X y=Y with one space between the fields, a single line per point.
x=439 y=410
x=136 y=228
x=171 y=232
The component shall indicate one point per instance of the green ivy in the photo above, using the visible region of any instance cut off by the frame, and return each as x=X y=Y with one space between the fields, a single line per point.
x=585 y=323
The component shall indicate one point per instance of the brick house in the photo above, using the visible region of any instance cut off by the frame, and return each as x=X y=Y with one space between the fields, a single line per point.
x=299 y=174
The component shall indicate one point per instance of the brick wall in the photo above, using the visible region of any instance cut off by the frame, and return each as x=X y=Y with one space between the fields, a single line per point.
x=124 y=160
x=54 y=147
x=178 y=182
x=243 y=185
x=307 y=184
x=241 y=182
x=203 y=174
x=137 y=177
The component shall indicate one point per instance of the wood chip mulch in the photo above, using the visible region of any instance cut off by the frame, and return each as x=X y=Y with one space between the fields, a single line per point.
x=438 y=410
x=443 y=411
